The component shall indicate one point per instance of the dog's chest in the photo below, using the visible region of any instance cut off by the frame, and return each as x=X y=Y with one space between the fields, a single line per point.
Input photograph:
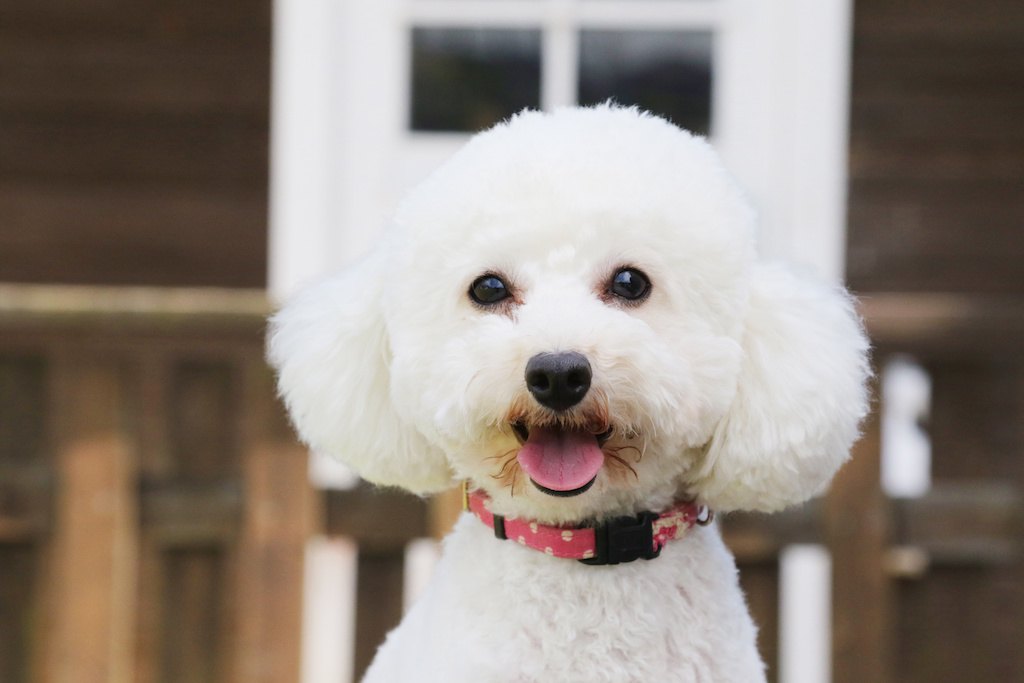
x=499 y=612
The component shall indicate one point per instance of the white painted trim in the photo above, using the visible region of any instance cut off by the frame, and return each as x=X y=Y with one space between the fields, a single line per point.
x=656 y=14
x=821 y=134
x=328 y=611
x=300 y=161
x=906 y=470
x=667 y=14
x=560 y=66
x=421 y=557
x=781 y=99
x=805 y=615
x=369 y=93
x=506 y=13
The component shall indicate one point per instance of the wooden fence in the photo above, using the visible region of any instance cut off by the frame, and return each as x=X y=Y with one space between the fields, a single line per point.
x=154 y=506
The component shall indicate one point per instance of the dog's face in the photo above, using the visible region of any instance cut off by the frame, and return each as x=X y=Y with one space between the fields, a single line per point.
x=567 y=360
x=563 y=315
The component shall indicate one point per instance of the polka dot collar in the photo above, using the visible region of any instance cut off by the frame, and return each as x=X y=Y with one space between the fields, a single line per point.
x=614 y=541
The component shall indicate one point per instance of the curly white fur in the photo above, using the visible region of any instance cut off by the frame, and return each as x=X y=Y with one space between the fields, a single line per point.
x=735 y=382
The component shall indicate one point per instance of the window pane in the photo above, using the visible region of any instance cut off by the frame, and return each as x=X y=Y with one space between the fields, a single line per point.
x=666 y=72
x=469 y=79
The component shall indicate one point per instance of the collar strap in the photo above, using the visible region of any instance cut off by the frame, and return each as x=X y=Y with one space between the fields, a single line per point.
x=618 y=540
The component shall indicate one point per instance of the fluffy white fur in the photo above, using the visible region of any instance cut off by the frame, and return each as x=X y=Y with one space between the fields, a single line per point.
x=738 y=383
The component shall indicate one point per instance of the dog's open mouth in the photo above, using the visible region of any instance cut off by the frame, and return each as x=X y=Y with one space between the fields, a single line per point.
x=560 y=461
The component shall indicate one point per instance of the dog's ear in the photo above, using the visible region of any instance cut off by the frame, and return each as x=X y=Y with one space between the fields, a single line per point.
x=330 y=347
x=800 y=396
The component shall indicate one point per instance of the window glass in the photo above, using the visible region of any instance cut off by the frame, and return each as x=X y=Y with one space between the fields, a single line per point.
x=666 y=72
x=468 y=79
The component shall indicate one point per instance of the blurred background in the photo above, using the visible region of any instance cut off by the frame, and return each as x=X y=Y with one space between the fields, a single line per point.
x=171 y=169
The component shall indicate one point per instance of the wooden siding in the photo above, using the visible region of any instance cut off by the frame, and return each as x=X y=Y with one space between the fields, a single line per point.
x=937 y=205
x=937 y=147
x=133 y=141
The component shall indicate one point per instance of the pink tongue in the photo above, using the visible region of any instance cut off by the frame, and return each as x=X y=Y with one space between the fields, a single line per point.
x=561 y=460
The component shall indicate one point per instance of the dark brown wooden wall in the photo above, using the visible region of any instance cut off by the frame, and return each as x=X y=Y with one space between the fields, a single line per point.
x=133 y=141
x=937 y=205
x=937 y=146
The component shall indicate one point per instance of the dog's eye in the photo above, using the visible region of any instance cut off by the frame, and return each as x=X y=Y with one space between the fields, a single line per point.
x=629 y=284
x=488 y=290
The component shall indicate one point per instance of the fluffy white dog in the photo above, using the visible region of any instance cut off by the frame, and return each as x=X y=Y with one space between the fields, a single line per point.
x=570 y=316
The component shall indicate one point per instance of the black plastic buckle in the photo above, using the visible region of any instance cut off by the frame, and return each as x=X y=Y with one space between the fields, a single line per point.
x=624 y=539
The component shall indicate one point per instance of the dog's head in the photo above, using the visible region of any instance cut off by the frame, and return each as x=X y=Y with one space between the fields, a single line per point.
x=570 y=314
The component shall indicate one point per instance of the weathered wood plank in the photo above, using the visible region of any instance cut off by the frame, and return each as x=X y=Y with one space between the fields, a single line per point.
x=856 y=527
x=935 y=241
x=73 y=148
x=944 y=325
x=150 y=621
x=181 y=24
x=136 y=138
x=97 y=77
x=377 y=519
x=176 y=236
x=25 y=474
x=148 y=311
x=92 y=578
x=379 y=582
x=759 y=538
x=276 y=524
x=204 y=418
x=974 y=523
x=760 y=583
x=910 y=18
x=444 y=511
x=936 y=146
x=192 y=515
x=25 y=496
x=193 y=612
x=874 y=164
x=978 y=606
x=23 y=407
x=18 y=585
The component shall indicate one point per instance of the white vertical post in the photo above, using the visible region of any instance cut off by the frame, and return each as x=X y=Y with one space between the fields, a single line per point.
x=805 y=615
x=328 y=614
x=371 y=103
x=337 y=117
x=421 y=558
x=906 y=449
x=782 y=99
x=300 y=149
x=559 y=60
x=820 y=132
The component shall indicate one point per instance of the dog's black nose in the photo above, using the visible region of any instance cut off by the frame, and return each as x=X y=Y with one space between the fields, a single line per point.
x=558 y=380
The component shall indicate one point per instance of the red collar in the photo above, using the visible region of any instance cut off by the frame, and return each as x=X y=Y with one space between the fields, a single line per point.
x=622 y=539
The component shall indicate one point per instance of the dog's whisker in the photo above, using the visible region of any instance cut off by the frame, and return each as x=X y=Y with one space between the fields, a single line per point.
x=629 y=447
x=504 y=469
x=508 y=471
x=614 y=452
x=508 y=458
x=502 y=456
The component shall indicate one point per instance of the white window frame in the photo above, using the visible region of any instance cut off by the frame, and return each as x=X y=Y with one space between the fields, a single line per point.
x=779 y=107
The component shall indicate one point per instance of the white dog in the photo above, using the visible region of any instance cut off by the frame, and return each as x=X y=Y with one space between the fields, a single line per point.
x=570 y=316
